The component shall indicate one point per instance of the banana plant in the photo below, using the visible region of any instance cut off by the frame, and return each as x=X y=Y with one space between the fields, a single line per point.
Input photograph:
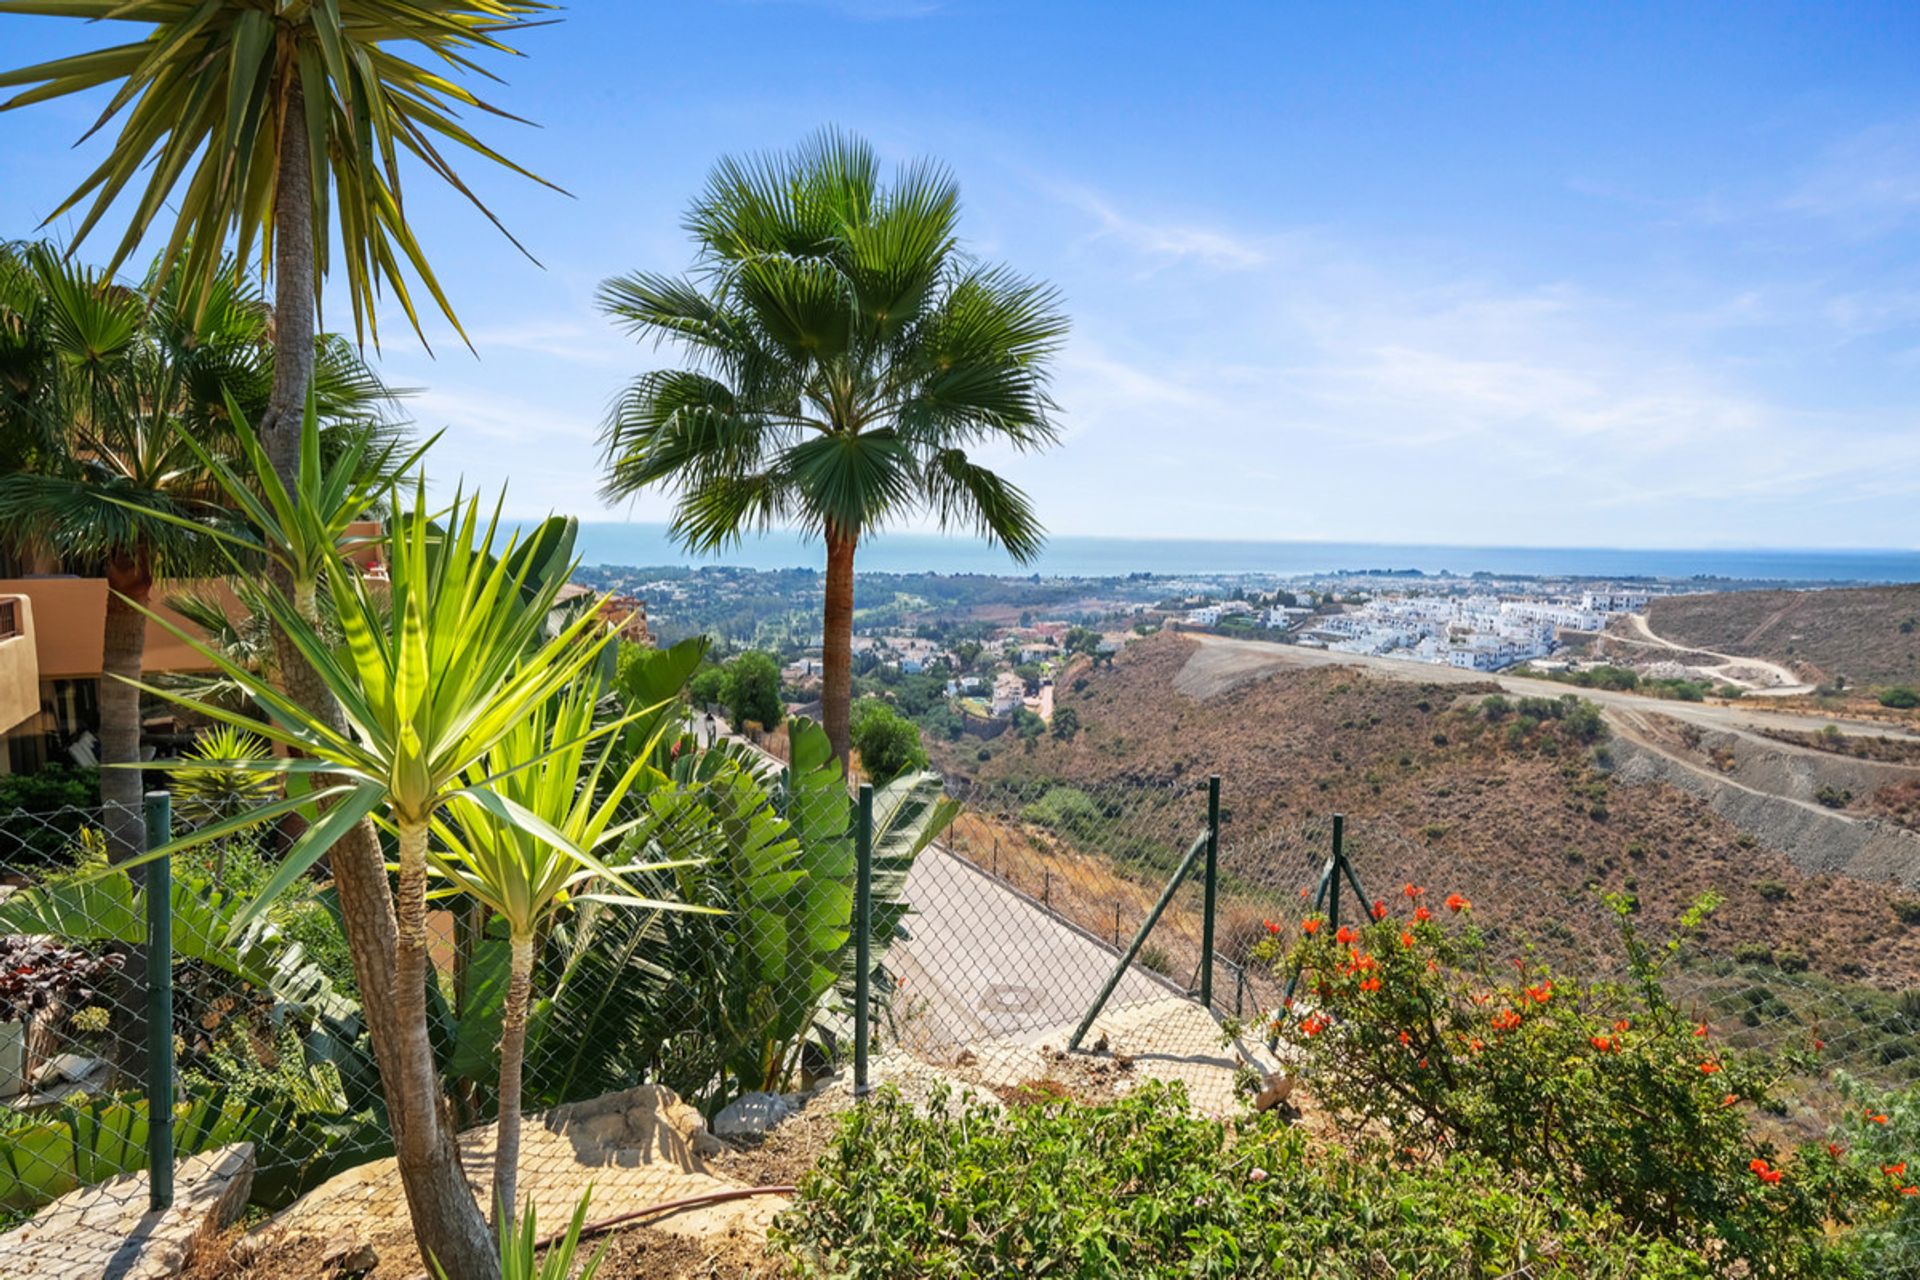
x=524 y=880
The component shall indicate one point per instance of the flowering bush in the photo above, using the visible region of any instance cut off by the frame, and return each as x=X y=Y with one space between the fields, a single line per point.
x=1417 y=1041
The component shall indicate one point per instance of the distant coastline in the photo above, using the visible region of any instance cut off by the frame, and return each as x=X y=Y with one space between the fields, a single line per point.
x=614 y=543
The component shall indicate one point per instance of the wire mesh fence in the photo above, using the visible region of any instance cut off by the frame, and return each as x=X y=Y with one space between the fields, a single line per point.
x=1007 y=922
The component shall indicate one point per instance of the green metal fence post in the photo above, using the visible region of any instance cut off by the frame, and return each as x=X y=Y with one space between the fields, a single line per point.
x=1178 y=878
x=1333 y=871
x=1212 y=888
x=863 y=933
x=159 y=883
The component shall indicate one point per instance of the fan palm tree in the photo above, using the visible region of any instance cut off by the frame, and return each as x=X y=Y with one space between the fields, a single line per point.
x=844 y=356
x=524 y=879
x=123 y=392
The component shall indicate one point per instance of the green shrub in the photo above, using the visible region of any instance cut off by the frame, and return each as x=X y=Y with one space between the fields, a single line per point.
x=1900 y=697
x=1833 y=797
x=1773 y=890
x=1144 y=1188
x=1907 y=909
x=41 y=813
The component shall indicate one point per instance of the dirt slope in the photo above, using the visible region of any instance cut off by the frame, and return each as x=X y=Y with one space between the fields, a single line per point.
x=1870 y=635
x=1529 y=821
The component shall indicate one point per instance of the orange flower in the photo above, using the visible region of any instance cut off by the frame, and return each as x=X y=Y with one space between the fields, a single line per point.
x=1423 y=1064
x=1406 y=938
x=1344 y=935
x=1505 y=1020
x=1413 y=891
x=1622 y=1025
x=1729 y=1100
x=1371 y=984
x=1818 y=1044
x=1541 y=993
x=1877 y=1119
x=1379 y=910
x=1311 y=924
x=1475 y=1045
x=1313 y=1026
x=1765 y=1172
x=1272 y=927
x=1700 y=1032
x=1457 y=902
x=1909 y=1191
x=1708 y=1067
x=1422 y=914
x=1405 y=1039
x=1603 y=1043
x=1303 y=892
x=1835 y=1150
x=1757 y=1165
x=1894 y=1170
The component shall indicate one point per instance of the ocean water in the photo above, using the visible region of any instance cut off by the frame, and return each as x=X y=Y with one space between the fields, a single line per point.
x=607 y=542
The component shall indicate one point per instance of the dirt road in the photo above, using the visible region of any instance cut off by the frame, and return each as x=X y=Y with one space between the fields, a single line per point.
x=1220 y=664
x=1776 y=680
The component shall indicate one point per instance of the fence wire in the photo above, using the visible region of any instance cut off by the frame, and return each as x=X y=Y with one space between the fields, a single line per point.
x=993 y=943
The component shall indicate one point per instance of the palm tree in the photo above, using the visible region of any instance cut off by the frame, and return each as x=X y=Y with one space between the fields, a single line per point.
x=123 y=391
x=295 y=118
x=525 y=880
x=845 y=355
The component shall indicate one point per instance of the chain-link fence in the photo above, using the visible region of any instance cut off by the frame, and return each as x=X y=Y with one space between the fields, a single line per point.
x=1007 y=924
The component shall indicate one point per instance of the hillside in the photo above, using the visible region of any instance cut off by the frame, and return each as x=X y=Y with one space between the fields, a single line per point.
x=1522 y=817
x=1869 y=635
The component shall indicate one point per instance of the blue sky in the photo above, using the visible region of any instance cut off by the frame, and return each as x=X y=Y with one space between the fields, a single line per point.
x=1532 y=274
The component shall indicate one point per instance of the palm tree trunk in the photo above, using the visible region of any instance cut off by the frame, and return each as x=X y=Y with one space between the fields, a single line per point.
x=447 y=1220
x=294 y=304
x=123 y=652
x=836 y=645
x=513 y=1047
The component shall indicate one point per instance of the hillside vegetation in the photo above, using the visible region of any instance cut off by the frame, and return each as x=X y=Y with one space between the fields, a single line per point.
x=1516 y=810
x=1869 y=635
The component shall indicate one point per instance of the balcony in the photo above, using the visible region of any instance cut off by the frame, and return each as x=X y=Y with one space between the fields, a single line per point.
x=19 y=662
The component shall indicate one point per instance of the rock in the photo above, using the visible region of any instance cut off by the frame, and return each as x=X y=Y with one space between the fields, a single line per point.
x=106 y=1230
x=1101 y=1045
x=1275 y=1088
x=353 y=1258
x=751 y=1113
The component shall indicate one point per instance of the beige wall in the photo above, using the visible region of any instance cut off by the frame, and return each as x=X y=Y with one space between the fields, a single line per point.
x=19 y=670
x=68 y=617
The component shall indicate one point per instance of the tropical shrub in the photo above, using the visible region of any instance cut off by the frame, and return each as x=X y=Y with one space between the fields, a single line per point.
x=1143 y=1187
x=752 y=690
x=1420 y=1045
x=42 y=813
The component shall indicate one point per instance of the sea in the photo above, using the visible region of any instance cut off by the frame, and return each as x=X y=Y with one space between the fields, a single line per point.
x=645 y=545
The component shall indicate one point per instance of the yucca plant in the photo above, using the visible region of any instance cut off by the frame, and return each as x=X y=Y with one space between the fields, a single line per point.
x=433 y=670
x=524 y=879
x=520 y=1257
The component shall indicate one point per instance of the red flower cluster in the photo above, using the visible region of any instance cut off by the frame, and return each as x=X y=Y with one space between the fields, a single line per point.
x=1379 y=910
x=1708 y=1067
x=1877 y=1118
x=1371 y=984
x=1505 y=1020
x=1345 y=935
x=1604 y=1044
x=1413 y=891
x=1541 y=992
x=1762 y=1170
x=1894 y=1170
x=1406 y=938
x=1422 y=914
x=1311 y=924
x=1458 y=902
x=1312 y=1025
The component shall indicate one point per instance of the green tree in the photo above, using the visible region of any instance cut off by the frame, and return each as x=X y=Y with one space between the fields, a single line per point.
x=1066 y=723
x=1082 y=640
x=708 y=688
x=845 y=357
x=294 y=119
x=888 y=743
x=752 y=690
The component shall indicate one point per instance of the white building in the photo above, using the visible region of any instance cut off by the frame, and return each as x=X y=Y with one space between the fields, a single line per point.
x=1009 y=691
x=1205 y=616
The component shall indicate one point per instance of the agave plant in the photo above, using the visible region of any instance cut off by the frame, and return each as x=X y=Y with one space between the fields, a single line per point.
x=524 y=879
